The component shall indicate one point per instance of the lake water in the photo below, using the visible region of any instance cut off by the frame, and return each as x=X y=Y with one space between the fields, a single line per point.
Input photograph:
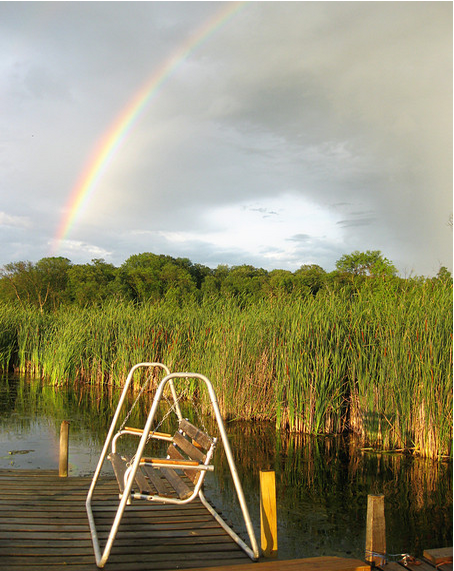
x=322 y=482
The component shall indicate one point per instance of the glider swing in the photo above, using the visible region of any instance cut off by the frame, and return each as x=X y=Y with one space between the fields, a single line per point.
x=176 y=478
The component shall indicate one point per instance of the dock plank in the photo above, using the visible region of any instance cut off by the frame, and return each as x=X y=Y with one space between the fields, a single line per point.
x=307 y=564
x=439 y=557
x=44 y=525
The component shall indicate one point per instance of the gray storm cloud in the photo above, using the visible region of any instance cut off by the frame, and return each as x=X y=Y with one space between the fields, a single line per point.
x=346 y=105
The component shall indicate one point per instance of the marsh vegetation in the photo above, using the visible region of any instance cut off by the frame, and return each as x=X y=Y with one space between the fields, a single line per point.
x=315 y=353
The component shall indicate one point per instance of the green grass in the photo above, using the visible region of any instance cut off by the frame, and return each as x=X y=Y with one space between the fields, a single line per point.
x=377 y=362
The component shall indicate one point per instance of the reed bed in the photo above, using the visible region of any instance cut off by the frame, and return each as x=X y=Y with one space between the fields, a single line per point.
x=377 y=362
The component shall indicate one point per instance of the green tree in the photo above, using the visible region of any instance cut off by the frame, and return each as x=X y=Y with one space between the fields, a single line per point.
x=280 y=282
x=150 y=276
x=92 y=284
x=199 y=273
x=139 y=277
x=310 y=277
x=54 y=277
x=43 y=285
x=369 y=263
x=177 y=283
x=245 y=283
x=212 y=283
x=18 y=282
x=444 y=275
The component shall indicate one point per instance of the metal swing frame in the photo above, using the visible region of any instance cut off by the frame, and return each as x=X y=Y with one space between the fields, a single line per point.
x=102 y=556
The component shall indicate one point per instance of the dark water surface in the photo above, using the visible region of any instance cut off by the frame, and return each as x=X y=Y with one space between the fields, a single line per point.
x=322 y=482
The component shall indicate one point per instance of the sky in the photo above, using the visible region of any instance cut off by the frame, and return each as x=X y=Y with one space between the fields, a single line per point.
x=274 y=134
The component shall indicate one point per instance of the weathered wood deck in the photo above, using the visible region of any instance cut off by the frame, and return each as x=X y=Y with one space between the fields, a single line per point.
x=44 y=526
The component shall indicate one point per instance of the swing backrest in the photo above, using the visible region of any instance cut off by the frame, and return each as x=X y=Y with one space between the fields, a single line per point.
x=189 y=449
x=190 y=443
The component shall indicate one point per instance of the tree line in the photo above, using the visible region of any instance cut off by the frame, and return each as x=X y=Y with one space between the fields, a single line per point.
x=147 y=277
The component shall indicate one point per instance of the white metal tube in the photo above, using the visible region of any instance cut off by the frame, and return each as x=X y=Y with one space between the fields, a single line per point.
x=101 y=560
x=116 y=417
x=132 y=474
x=228 y=453
x=227 y=528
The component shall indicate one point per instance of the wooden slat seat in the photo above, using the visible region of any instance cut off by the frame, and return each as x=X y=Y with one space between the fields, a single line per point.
x=175 y=455
x=158 y=482
x=119 y=465
x=177 y=483
x=186 y=455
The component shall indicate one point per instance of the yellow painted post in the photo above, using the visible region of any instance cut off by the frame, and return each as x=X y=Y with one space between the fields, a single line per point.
x=64 y=444
x=268 y=513
x=376 y=530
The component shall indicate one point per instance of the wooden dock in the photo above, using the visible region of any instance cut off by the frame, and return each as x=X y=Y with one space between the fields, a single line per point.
x=44 y=526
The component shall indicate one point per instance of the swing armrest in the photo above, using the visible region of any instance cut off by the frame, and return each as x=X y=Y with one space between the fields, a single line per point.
x=183 y=464
x=139 y=431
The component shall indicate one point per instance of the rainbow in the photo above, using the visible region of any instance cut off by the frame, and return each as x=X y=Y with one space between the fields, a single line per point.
x=111 y=141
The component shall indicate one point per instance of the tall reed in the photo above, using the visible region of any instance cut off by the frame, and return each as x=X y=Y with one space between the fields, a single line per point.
x=401 y=368
x=377 y=361
x=311 y=383
x=8 y=335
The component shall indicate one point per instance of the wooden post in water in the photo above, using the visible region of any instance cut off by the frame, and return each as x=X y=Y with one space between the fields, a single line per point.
x=64 y=444
x=268 y=513
x=376 y=530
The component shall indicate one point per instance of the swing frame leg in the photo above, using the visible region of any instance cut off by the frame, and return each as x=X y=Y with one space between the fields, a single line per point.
x=101 y=558
x=227 y=528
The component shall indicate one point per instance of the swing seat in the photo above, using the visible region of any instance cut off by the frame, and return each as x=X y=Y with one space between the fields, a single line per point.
x=174 y=479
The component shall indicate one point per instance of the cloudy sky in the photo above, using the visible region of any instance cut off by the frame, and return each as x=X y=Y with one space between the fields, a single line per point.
x=278 y=134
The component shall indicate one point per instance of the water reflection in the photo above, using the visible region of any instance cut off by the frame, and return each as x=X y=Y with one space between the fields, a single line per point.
x=322 y=482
